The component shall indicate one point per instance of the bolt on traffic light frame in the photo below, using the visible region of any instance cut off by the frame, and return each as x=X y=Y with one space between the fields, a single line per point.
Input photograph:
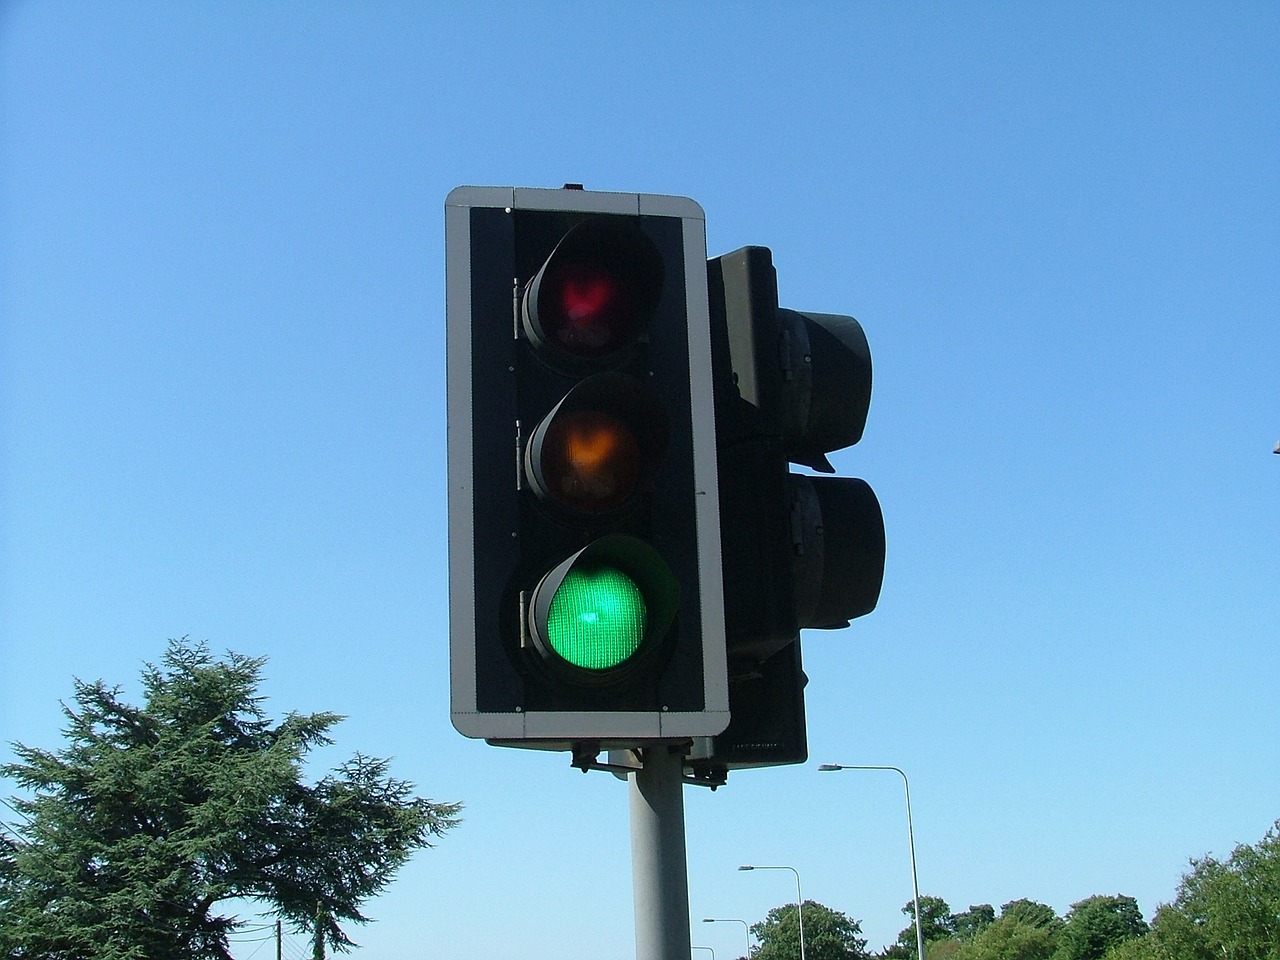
x=582 y=470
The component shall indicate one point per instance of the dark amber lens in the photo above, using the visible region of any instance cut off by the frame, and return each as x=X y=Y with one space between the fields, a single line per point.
x=590 y=460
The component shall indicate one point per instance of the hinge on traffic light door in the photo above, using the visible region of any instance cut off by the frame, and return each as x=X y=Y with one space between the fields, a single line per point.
x=516 y=290
x=526 y=642
x=519 y=457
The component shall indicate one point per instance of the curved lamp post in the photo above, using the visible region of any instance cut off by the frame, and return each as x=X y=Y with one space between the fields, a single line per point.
x=911 y=842
x=746 y=929
x=799 y=898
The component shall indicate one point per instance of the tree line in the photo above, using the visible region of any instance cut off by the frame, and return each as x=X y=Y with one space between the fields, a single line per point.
x=127 y=841
x=1223 y=910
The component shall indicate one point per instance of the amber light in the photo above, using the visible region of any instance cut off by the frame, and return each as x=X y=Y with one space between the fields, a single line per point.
x=591 y=460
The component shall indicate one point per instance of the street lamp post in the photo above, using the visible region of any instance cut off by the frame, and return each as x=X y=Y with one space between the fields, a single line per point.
x=746 y=929
x=696 y=947
x=799 y=898
x=911 y=842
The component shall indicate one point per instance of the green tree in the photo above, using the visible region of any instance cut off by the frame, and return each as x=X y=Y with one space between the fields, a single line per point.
x=828 y=934
x=936 y=924
x=1225 y=908
x=1033 y=913
x=972 y=921
x=1009 y=938
x=1097 y=924
x=1237 y=903
x=132 y=834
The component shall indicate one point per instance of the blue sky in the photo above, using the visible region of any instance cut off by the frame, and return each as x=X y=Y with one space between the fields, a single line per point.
x=221 y=285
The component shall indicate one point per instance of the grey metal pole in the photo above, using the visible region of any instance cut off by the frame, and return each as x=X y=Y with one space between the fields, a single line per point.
x=659 y=873
x=911 y=840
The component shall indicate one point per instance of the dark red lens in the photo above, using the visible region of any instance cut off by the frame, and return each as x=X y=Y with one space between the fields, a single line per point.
x=587 y=309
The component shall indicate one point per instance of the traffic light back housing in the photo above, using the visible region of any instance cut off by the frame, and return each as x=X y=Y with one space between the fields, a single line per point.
x=799 y=551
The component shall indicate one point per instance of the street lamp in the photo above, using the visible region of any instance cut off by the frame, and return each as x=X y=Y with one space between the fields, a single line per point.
x=799 y=898
x=745 y=929
x=911 y=842
x=696 y=947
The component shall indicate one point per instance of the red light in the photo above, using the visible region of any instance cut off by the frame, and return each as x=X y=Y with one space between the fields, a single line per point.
x=591 y=312
x=586 y=292
x=593 y=295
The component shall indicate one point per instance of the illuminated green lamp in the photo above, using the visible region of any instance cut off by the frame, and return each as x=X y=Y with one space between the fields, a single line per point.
x=597 y=618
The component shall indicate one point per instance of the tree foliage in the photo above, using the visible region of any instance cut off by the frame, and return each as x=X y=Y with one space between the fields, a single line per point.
x=1225 y=908
x=132 y=834
x=1025 y=930
x=971 y=922
x=1097 y=924
x=1031 y=912
x=828 y=934
x=1009 y=938
x=936 y=924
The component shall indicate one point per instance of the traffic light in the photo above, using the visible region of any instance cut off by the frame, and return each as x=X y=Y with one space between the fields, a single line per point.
x=584 y=555
x=799 y=551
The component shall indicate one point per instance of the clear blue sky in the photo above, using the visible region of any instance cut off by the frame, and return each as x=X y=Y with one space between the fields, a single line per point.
x=221 y=277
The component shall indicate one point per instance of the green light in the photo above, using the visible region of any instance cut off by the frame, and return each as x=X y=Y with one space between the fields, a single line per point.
x=597 y=617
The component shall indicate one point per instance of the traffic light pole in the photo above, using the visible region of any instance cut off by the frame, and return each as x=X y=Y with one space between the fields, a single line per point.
x=659 y=874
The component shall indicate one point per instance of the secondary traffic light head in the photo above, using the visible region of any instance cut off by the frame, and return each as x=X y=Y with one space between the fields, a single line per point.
x=800 y=551
x=585 y=589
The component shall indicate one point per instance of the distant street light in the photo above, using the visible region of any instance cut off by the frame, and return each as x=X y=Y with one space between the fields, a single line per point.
x=746 y=929
x=799 y=898
x=911 y=841
x=696 y=947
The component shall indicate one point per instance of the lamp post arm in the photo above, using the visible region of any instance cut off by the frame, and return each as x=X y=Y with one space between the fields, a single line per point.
x=799 y=896
x=911 y=839
x=746 y=929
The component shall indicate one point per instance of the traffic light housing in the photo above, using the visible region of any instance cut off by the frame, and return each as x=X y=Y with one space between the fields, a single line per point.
x=584 y=555
x=799 y=551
